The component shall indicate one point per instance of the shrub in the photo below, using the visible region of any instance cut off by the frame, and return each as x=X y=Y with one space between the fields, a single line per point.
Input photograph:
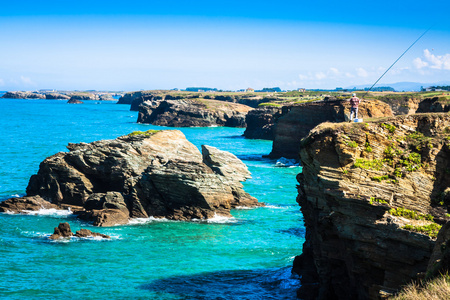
x=389 y=127
x=431 y=230
x=374 y=164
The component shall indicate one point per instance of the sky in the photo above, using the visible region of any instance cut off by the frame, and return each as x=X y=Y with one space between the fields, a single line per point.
x=230 y=45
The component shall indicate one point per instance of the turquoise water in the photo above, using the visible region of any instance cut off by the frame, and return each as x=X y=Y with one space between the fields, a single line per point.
x=246 y=257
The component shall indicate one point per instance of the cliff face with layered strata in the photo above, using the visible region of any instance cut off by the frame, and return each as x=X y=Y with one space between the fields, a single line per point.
x=298 y=120
x=373 y=197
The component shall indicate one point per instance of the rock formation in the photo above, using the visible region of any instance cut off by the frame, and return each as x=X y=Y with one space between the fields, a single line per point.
x=261 y=122
x=56 y=96
x=143 y=174
x=436 y=104
x=83 y=96
x=23 y=95
x=21 y=204
x=372 y=196
x=193 y=113
x=63 y=231
x=298 y=120
x=402 y=104
x=74 y=101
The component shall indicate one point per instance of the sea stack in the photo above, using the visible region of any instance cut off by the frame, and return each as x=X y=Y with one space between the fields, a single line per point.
x=143 y=174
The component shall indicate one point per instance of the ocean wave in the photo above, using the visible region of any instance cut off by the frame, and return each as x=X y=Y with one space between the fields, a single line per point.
x=287 y=163
x=49 y=212
x=140 y=221
x=277 y=207
x=217 y=219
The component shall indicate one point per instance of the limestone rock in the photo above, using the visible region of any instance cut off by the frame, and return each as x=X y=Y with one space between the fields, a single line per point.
x=18 y=205
x=353 y=175
x=193 y=113
x=154 y=173
x=298 y=120
x=83 y=96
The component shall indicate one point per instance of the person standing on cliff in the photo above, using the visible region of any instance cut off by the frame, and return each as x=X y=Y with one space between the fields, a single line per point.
x=354 y=102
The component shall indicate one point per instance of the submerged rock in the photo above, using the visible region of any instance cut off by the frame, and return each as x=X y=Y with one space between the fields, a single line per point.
x=143 y=174
x=193 y=113
x=63 y=231
x=74 y=101
x=372 y=200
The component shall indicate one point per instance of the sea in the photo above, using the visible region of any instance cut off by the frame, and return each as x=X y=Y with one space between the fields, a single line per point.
x=248 y=256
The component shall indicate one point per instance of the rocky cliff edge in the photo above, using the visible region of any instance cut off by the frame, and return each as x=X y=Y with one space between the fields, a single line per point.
x=373 y=196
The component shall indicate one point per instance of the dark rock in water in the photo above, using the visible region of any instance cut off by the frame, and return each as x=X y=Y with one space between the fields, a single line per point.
x=359 y=184
x=74 y=101
x=18 y=205
x=261 y=122
x=193 y=113
x=298 y=120
x=154 y=173
x=436 y=104
x=85 y=233
x=62 y=231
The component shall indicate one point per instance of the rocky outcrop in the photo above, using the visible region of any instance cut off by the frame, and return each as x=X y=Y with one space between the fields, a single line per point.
x=56 y=96
x=63 y=231
x=298 y=120
x=106 y=97
x=372 y=197
x=22 y=204
x=436 y=104
x=261 y=122
x=128 y=98
x=143 y=174
x=74 y=101
x=193 y=113
x=83 y=96
x=23 y=95
x=402 y=104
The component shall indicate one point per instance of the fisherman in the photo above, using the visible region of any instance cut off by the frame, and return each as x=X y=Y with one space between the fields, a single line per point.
x=354 y=102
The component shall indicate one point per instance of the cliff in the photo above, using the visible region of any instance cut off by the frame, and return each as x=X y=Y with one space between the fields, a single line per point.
x=261 y=122
x=297 y=121
x=193 y=113
x=373 y=196
x=143 y=174
x=436 y=104
x=23 y=95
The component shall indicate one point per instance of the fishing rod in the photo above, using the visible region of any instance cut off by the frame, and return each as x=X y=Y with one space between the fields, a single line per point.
x=396 y=61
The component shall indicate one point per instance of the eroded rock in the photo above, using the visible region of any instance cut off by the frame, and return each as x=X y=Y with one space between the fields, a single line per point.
x=153 y=173
x=371 y=197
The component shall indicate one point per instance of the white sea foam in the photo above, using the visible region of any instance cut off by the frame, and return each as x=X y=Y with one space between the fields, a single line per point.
x=286 y=162
x=244 y=207
x=276 y=207
x=139 y=221
x=49 y=212
x=221 y=219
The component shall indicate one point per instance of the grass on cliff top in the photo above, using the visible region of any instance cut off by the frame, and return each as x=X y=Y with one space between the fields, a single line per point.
x=143 y=133
x=438 y=288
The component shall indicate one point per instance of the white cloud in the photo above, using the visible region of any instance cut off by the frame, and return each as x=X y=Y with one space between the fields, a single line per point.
x=302 y=77
x=439 y=62
x=334 y=71
x=2 y=82
x=320 y=75
x=419 y=63
x=361 y=72
x=349 y=75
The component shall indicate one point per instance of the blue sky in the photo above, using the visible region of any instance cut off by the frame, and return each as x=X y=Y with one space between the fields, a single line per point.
x=132 y=45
